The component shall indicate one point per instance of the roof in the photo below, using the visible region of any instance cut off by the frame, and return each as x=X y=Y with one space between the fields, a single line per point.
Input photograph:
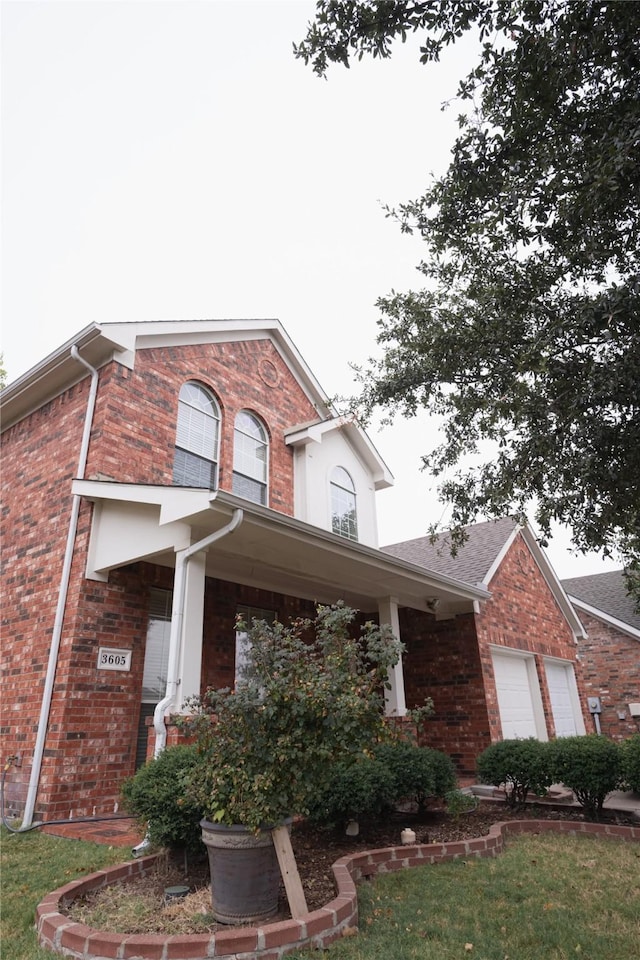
x=474 y=560
x=477 y=559
x=605 y=594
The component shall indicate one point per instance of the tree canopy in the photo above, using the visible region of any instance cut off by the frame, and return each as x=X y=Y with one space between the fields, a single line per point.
x=526 y=334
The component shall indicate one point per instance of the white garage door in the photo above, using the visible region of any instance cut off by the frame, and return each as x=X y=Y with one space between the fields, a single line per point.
x=514 y=697
x=559 y=677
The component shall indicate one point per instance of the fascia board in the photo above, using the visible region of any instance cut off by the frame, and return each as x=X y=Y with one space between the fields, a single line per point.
x=605 y=618
x=553 y=582
x=176 y=503
x=382 y=561
x=58 y=371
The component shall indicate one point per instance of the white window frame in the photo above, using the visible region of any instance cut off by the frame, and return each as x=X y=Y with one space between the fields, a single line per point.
x=339 y=490
x=254 y=469
x=194 y=424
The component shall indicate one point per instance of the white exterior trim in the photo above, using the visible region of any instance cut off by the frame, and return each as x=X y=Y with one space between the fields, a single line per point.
x=606 y=618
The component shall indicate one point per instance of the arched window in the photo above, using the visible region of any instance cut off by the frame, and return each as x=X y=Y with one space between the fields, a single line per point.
x=250 y=458
x=344 y=520
x=197 y=438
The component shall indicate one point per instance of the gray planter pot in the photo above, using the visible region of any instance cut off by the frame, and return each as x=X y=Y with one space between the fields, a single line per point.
x=245 y=876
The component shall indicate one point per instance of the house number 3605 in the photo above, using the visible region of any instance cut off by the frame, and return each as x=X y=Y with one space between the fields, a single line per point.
x=110 y=658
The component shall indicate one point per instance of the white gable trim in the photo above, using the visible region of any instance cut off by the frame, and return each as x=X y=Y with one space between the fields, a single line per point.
x=606 y=618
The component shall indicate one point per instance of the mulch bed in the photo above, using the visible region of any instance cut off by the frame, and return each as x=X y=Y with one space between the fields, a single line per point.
x=315 y=851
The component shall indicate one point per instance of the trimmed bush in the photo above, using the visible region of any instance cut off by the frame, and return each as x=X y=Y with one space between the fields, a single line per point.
x=521 y=766
x=591 y=766
x=397 y=771
x=356 y=791
x=419 y=773
x=156 y=796
x=630 y=750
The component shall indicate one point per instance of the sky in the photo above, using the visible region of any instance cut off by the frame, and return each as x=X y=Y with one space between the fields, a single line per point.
x=167 y=160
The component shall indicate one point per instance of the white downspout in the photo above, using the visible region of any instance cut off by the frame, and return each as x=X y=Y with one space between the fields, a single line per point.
x=177 y=618
x=47 y=695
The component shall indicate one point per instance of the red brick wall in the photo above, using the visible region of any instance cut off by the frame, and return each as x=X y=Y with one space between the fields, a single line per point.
x=523 y=615
x=40 y=456
x=442 y=662
x=610 y=663
x=136 y=412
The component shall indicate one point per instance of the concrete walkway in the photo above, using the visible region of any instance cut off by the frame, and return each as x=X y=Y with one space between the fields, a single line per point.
x=624 y=802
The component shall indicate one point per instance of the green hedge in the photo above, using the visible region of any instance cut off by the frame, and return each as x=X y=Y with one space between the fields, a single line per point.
x=631 y=763
x=521 y=766
x=591 y=766
x=156 y=796
x=371 y=787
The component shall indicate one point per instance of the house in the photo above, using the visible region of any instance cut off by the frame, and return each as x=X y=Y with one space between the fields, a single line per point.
x=610 y=650
x=158 y=479
x=507 y=668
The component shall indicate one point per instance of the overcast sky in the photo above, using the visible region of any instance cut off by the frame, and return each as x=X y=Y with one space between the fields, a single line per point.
x=172 y=160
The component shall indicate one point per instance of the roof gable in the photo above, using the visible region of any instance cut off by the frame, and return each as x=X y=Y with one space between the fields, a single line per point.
x=479 y=557
x=101 y=343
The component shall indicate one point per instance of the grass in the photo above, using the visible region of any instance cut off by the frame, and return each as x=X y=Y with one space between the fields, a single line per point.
x=34 y=864
x=545 y=898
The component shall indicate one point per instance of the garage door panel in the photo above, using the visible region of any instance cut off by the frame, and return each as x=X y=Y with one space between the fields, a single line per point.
x=560 y=695
x=513 y=689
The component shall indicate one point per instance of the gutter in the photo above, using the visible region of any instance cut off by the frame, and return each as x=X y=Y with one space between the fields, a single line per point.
x=47 y=695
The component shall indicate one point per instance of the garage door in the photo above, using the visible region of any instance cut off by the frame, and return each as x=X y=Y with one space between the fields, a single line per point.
x=559 y=677
x=514 y=697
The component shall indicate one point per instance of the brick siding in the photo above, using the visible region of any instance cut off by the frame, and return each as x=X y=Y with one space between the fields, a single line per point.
x=611 y=668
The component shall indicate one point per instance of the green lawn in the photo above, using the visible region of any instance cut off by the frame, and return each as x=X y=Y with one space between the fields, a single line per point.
x=34 y=864
x=545 y=898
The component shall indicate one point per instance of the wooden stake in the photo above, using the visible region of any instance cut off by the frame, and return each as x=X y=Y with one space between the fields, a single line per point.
x=289 y=871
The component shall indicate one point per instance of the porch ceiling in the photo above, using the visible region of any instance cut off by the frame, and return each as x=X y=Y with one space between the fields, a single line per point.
x=267 y=550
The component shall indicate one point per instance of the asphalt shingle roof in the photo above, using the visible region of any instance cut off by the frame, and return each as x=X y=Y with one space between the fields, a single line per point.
x=606 y=592
x=473 y=559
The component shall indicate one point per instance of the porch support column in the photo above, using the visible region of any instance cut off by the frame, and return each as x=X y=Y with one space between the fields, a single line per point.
x=395 y=703
x=190 y=661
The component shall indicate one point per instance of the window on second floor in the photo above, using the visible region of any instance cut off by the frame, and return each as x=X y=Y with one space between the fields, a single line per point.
x=344 y=520
x=250 y=458
x=197 y=438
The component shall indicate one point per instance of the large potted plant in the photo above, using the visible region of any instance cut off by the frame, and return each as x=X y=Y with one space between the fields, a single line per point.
x=311 y=693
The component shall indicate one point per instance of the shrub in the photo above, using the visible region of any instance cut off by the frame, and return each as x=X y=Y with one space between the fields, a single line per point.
x=355 y=791
x=156 y=796
x=396 y=771
x=522 y=766
x=311 y=695
x=591 y=766
x=459 y=802
x=630 y=750
x=419 y=773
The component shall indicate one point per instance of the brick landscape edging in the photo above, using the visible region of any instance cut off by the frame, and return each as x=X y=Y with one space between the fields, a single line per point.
x=273 y=940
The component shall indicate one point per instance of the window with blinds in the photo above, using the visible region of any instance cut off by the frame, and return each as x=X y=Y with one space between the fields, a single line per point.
x=250 y=458
x=197 y=438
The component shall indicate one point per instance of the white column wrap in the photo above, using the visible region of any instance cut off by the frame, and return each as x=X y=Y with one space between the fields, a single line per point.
x=395 y=703
x=190 y=661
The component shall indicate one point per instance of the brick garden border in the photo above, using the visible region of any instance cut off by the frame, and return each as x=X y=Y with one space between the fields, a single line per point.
x=273 y=940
